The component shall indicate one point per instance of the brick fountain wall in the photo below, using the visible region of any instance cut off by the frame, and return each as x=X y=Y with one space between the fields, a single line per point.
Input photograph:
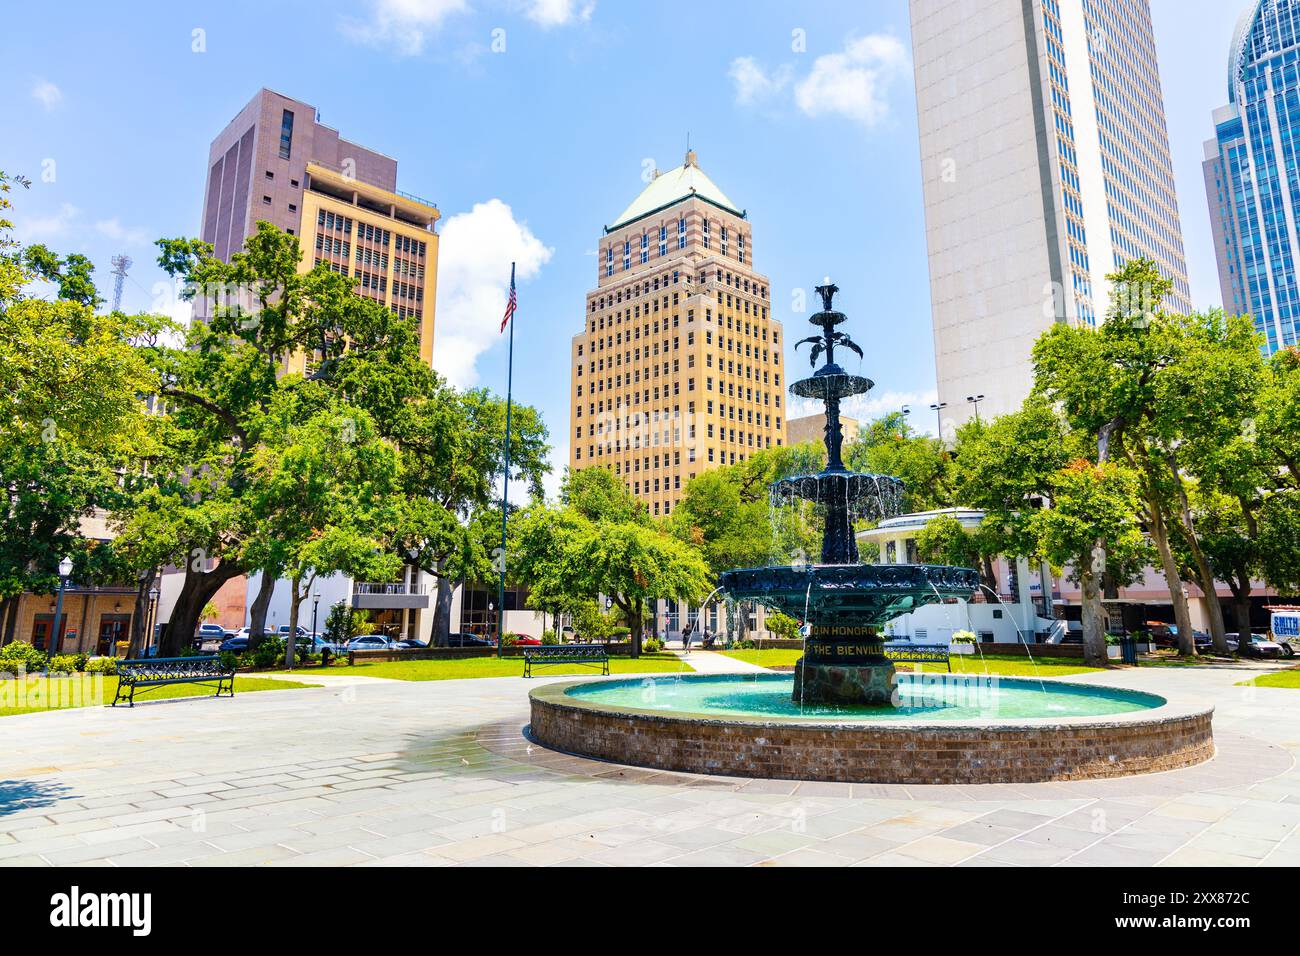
x=1022 y=753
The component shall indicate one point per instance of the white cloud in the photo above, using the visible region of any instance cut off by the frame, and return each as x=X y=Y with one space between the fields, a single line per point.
x=402 y=24
x=69 y=224
x=474 y=256
x=113 y=229
x=753 y=83
x=555 y=13
x=46 y=228
x=47 y=94
x=853 y=83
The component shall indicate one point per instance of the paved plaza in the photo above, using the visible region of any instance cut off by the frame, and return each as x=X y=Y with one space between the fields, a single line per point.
x=377 y=772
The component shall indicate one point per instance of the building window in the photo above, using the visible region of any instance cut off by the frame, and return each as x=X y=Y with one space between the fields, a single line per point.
x=681 y=233
x=663 y=240
x=645 y=248
x=627 y=256
x=286 y=134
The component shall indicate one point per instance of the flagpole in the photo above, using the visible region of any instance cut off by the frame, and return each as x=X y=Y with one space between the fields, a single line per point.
x=505 y=476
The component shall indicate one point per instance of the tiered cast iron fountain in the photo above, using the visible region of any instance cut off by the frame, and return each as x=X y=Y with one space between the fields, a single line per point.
x=844 y=716
x=844 y=601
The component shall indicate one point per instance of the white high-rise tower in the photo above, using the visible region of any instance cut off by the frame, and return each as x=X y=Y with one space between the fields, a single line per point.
x=1045 y=164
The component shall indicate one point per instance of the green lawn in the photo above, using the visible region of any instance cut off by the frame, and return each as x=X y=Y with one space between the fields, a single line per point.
x=62 y=693
x=467 y=667
x=1289 y=679
x=1010 y=665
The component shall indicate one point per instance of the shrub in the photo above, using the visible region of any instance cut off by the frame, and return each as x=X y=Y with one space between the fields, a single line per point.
x=745 y=645
x=101 y=665
x=548 y=637
x=65 y=663
x=620 y=632
x=268 y=653
x=783 y=625
x=652 y=645
x=19 y=655
x=963 y=637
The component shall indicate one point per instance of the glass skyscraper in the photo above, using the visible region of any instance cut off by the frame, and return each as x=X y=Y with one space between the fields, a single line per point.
x=1045 y=165
x=1251 y=178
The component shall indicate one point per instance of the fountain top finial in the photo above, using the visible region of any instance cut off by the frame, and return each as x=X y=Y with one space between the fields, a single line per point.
x=827 y=292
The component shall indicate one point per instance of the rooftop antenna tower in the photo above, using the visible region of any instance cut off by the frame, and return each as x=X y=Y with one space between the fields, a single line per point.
x=120 y=265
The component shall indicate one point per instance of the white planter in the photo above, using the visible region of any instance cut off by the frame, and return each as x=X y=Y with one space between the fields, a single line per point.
x=961 y=649
x=1114 y=651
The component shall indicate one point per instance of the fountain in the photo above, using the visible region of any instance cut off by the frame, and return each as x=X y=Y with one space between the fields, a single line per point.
x=845 y=715
x=844 y=601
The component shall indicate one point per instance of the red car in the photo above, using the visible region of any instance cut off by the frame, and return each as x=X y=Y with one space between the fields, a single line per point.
x=523 y=640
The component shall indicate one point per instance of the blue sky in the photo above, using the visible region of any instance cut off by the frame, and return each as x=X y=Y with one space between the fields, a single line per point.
x=112 y=122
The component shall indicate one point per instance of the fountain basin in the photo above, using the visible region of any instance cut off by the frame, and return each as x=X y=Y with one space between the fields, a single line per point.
x=864 y=595
x=947 y=729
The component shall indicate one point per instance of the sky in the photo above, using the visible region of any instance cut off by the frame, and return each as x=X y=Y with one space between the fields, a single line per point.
x=530 y=123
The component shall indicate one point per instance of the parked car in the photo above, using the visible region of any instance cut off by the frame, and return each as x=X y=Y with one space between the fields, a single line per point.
x=369 y=642
x=469 y=640
x=209 y=632
x=236 y=644
x=523 y=640
x=1258 y=646
x=411 y=645
x=236 y=632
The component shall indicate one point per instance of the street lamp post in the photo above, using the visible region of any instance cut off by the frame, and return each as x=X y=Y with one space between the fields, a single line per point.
x=65 y=568
x=937 y=408
x=151 y=620
x=975 y=400
x=315 y=603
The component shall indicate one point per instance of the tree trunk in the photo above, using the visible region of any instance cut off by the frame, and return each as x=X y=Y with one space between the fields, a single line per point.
x=1242 y=613
x=1182 y=616
x=986 y=573
x=1204 y=573
x=8 y=614
x=442 y=612
x=138 y=639
x=261 y=603
x=291 y=639
x=1091 y=570
x=198 y=589
x=635 y=622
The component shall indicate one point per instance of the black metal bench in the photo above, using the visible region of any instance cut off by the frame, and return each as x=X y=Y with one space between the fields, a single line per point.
x=146 y=673
x=919 y=654
x=565 y=654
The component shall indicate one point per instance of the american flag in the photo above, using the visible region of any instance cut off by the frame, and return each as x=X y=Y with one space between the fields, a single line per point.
x=511 y=302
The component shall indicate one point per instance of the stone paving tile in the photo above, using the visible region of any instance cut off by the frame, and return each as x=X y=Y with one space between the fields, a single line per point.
x=1219 y=842
x=723 y=855
x=334 y=856
x=1197 y=856
x=100 y=851
x=252 y=856
x=977 y=831
x=1057 y=836
x=937 y=849
x=474 y=847
x=1024 y=853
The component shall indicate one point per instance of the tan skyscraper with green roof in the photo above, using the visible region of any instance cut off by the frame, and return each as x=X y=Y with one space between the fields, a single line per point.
x=678 y=366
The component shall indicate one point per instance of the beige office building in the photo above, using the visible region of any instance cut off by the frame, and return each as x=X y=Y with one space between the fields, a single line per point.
x=678 y=368
x=1045 y=165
